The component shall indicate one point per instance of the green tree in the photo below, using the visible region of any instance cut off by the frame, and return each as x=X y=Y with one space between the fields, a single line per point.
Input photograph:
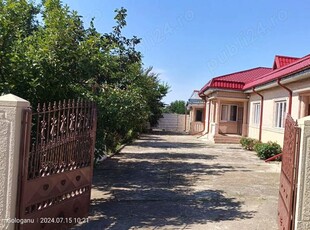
x=17 y=22
x=177 y=106
x=59 y=58
x=122 y=105
x=154 y=91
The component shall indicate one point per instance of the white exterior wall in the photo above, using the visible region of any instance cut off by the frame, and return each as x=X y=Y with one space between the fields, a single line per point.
x=11 y=108
x=253 y=128
x=269 y=131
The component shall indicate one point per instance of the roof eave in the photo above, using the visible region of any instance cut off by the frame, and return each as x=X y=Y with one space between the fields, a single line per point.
x=284 y=80
x=212 y=90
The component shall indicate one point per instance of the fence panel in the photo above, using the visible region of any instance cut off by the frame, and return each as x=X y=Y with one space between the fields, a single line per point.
x=56 y=167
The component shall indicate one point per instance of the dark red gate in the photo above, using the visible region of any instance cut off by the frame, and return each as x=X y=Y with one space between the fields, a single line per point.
x=56 y=165
x=288 y=178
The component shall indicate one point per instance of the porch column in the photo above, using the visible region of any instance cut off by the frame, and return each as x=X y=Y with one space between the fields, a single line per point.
x=209 y=116
x=217 y=116
x=214 y=111
x=244 y=119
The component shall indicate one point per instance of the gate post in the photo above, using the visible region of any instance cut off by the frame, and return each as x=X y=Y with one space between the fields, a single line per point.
x=11 y=108
x=302 y=214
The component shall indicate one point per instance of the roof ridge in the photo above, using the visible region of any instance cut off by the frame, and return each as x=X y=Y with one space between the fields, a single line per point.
x=288 y=66
x=300 y=60
x=287 y=57
x=242 y=71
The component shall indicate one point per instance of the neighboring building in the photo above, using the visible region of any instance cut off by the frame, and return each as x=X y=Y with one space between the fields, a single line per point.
x=196 y=107
x=254 y=102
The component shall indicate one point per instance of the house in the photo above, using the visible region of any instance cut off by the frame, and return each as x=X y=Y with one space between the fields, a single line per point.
x=254 y=102
x=196 y=120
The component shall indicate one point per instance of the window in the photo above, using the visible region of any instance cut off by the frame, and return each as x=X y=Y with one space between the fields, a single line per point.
x=256 y=113
x=224 y=113
x=229 y=113
x=280 y=111
x=198 y=115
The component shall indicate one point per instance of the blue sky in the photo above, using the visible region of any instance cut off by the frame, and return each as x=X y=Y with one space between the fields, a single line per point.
x=190 y=41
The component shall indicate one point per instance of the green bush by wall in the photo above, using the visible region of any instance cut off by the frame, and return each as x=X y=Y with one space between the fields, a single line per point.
x=263 y=150
x=267 y=150
x=248 y=143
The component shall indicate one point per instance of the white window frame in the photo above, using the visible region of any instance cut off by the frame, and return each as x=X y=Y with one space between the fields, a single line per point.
x=226 y=116
x=280 y=108
x=256 y=113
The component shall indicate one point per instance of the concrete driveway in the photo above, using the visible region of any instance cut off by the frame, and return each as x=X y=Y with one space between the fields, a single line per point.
x=183 y=182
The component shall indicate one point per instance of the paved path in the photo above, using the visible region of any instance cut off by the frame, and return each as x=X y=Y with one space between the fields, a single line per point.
x=181 y=182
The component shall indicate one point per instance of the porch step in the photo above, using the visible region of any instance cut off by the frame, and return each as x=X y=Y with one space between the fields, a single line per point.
x=225 y=139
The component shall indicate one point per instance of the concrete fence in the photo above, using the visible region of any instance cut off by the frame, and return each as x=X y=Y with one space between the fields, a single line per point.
x=11 y=108
x=173 y=122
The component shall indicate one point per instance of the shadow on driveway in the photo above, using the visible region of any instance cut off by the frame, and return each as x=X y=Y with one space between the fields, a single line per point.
x=147 y=190
x=166 y=208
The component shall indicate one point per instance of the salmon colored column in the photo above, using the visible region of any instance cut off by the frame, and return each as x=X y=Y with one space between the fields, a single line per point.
x=244 y=121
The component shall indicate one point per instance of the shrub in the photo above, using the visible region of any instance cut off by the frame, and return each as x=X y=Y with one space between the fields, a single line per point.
x=267 y=150
x=248 y=143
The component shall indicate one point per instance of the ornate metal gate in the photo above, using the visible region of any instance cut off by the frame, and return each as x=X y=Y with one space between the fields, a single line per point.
x=56 y=165
x=288 y=178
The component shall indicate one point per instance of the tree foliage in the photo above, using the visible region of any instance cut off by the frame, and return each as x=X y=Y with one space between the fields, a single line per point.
x=57 y=58
x=177 y=106
x=153 y=91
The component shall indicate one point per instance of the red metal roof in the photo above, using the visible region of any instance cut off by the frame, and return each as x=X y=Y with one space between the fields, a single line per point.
x=280 y=61
x=243 y=80
x=294 y=67
x=235 y=81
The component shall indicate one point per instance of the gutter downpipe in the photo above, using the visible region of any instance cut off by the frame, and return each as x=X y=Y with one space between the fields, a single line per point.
x=290 y=96
x=261 y=113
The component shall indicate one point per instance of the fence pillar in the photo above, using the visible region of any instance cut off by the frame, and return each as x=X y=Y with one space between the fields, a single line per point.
x=11 y=108
x=302 y=216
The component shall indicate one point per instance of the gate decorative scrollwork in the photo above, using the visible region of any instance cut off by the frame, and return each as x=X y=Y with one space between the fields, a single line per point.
x=288 y=176
x=56 y=163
